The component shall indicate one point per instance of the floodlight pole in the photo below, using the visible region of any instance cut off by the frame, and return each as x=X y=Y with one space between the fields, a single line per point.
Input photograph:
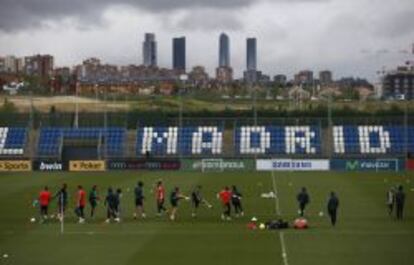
x=183 y=78
x=31 y=111
x=76 y=122
x=406 y=123
x=330 y=124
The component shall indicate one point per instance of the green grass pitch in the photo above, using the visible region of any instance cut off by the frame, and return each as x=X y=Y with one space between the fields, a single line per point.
x=365 y=233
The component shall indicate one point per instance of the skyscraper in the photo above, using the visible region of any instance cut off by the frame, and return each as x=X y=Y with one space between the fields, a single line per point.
x=224 y=51
x=149 y=50
x=179 y=54
x=251 y=75
x=251 y=54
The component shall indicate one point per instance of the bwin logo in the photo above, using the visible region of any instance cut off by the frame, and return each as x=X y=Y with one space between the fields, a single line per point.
x=50 y=166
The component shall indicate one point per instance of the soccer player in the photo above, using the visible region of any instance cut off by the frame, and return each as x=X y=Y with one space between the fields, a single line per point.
x=160 y=197
x=62 y=201
x=110 y=203
x=333 y=204
x=118 y=196
x=225 y=198
x=80 y=204
x=44 y=200
x=303 y=200
x=400 y=201
x=93 y=199
x=175 y=197
x=197 y=199
x=139 y=200
x=236 y=197
x=391 y=200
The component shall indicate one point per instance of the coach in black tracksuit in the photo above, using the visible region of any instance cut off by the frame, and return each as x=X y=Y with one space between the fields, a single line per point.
x=333 y=204
x=399 y=201
x=303 y=200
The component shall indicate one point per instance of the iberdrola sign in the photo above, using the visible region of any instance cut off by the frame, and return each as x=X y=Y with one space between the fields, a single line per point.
x=218 y=164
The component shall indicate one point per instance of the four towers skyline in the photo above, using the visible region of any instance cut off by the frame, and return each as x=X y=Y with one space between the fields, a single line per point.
x=179 y=52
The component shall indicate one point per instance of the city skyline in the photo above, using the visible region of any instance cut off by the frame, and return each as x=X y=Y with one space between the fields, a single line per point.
x=345 y=37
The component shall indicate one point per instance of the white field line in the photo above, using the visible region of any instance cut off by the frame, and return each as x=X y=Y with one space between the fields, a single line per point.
x=184 y=232
x=278 y=212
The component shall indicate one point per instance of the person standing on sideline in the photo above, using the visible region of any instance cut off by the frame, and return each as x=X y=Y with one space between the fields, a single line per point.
x=139 y=200
x=93 y=199
x=400 y=201
x=110 y=203
x=236 y=197
x=160 y=197
x=303 y=200
x=225 y=198
x=44 y=200
x=80 y=204
x=333 y=204
x=390 y=200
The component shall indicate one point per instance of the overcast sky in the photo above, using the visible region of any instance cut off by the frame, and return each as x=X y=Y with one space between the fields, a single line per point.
x=346 y=36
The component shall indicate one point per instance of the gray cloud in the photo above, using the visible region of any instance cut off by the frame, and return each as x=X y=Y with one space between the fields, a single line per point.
x=396 y=24
x=21 y=14
x=209 y=19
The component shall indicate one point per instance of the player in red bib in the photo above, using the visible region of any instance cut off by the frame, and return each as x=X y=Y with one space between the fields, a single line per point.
x=44 y=199
x=160 y=197
x=80 y=204
x=225 y=198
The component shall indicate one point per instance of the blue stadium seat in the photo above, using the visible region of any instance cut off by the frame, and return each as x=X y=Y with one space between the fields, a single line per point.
x=188 y=141
x=372 y=139
x=278 y=140
x=50 y=139
x=12 y=141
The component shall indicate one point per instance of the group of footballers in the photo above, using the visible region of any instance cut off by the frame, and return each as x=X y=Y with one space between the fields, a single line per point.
x=229 y=198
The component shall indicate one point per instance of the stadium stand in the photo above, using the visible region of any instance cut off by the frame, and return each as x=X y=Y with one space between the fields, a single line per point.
x=51 y=139
x=372 y=139
x=192 y=140
x=12 y=141
x=268 y=140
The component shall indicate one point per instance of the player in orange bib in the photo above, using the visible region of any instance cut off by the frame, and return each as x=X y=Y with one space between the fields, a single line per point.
x=160 y=197
x=225 y=198
x=80 y=204
x=44 y=199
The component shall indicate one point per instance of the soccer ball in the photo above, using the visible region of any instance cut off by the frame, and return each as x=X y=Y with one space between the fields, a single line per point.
x=5 y=256
x=262 y=226
x=321 y=214
x=32 y=220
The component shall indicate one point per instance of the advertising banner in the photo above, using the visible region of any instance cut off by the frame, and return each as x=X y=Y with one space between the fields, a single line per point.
x=143 y=164
x=410 y=164
x=367 y=164
x=87 y=165
x=292 y=165
x=15 y=165
x=49 y=165
x=218 y=164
